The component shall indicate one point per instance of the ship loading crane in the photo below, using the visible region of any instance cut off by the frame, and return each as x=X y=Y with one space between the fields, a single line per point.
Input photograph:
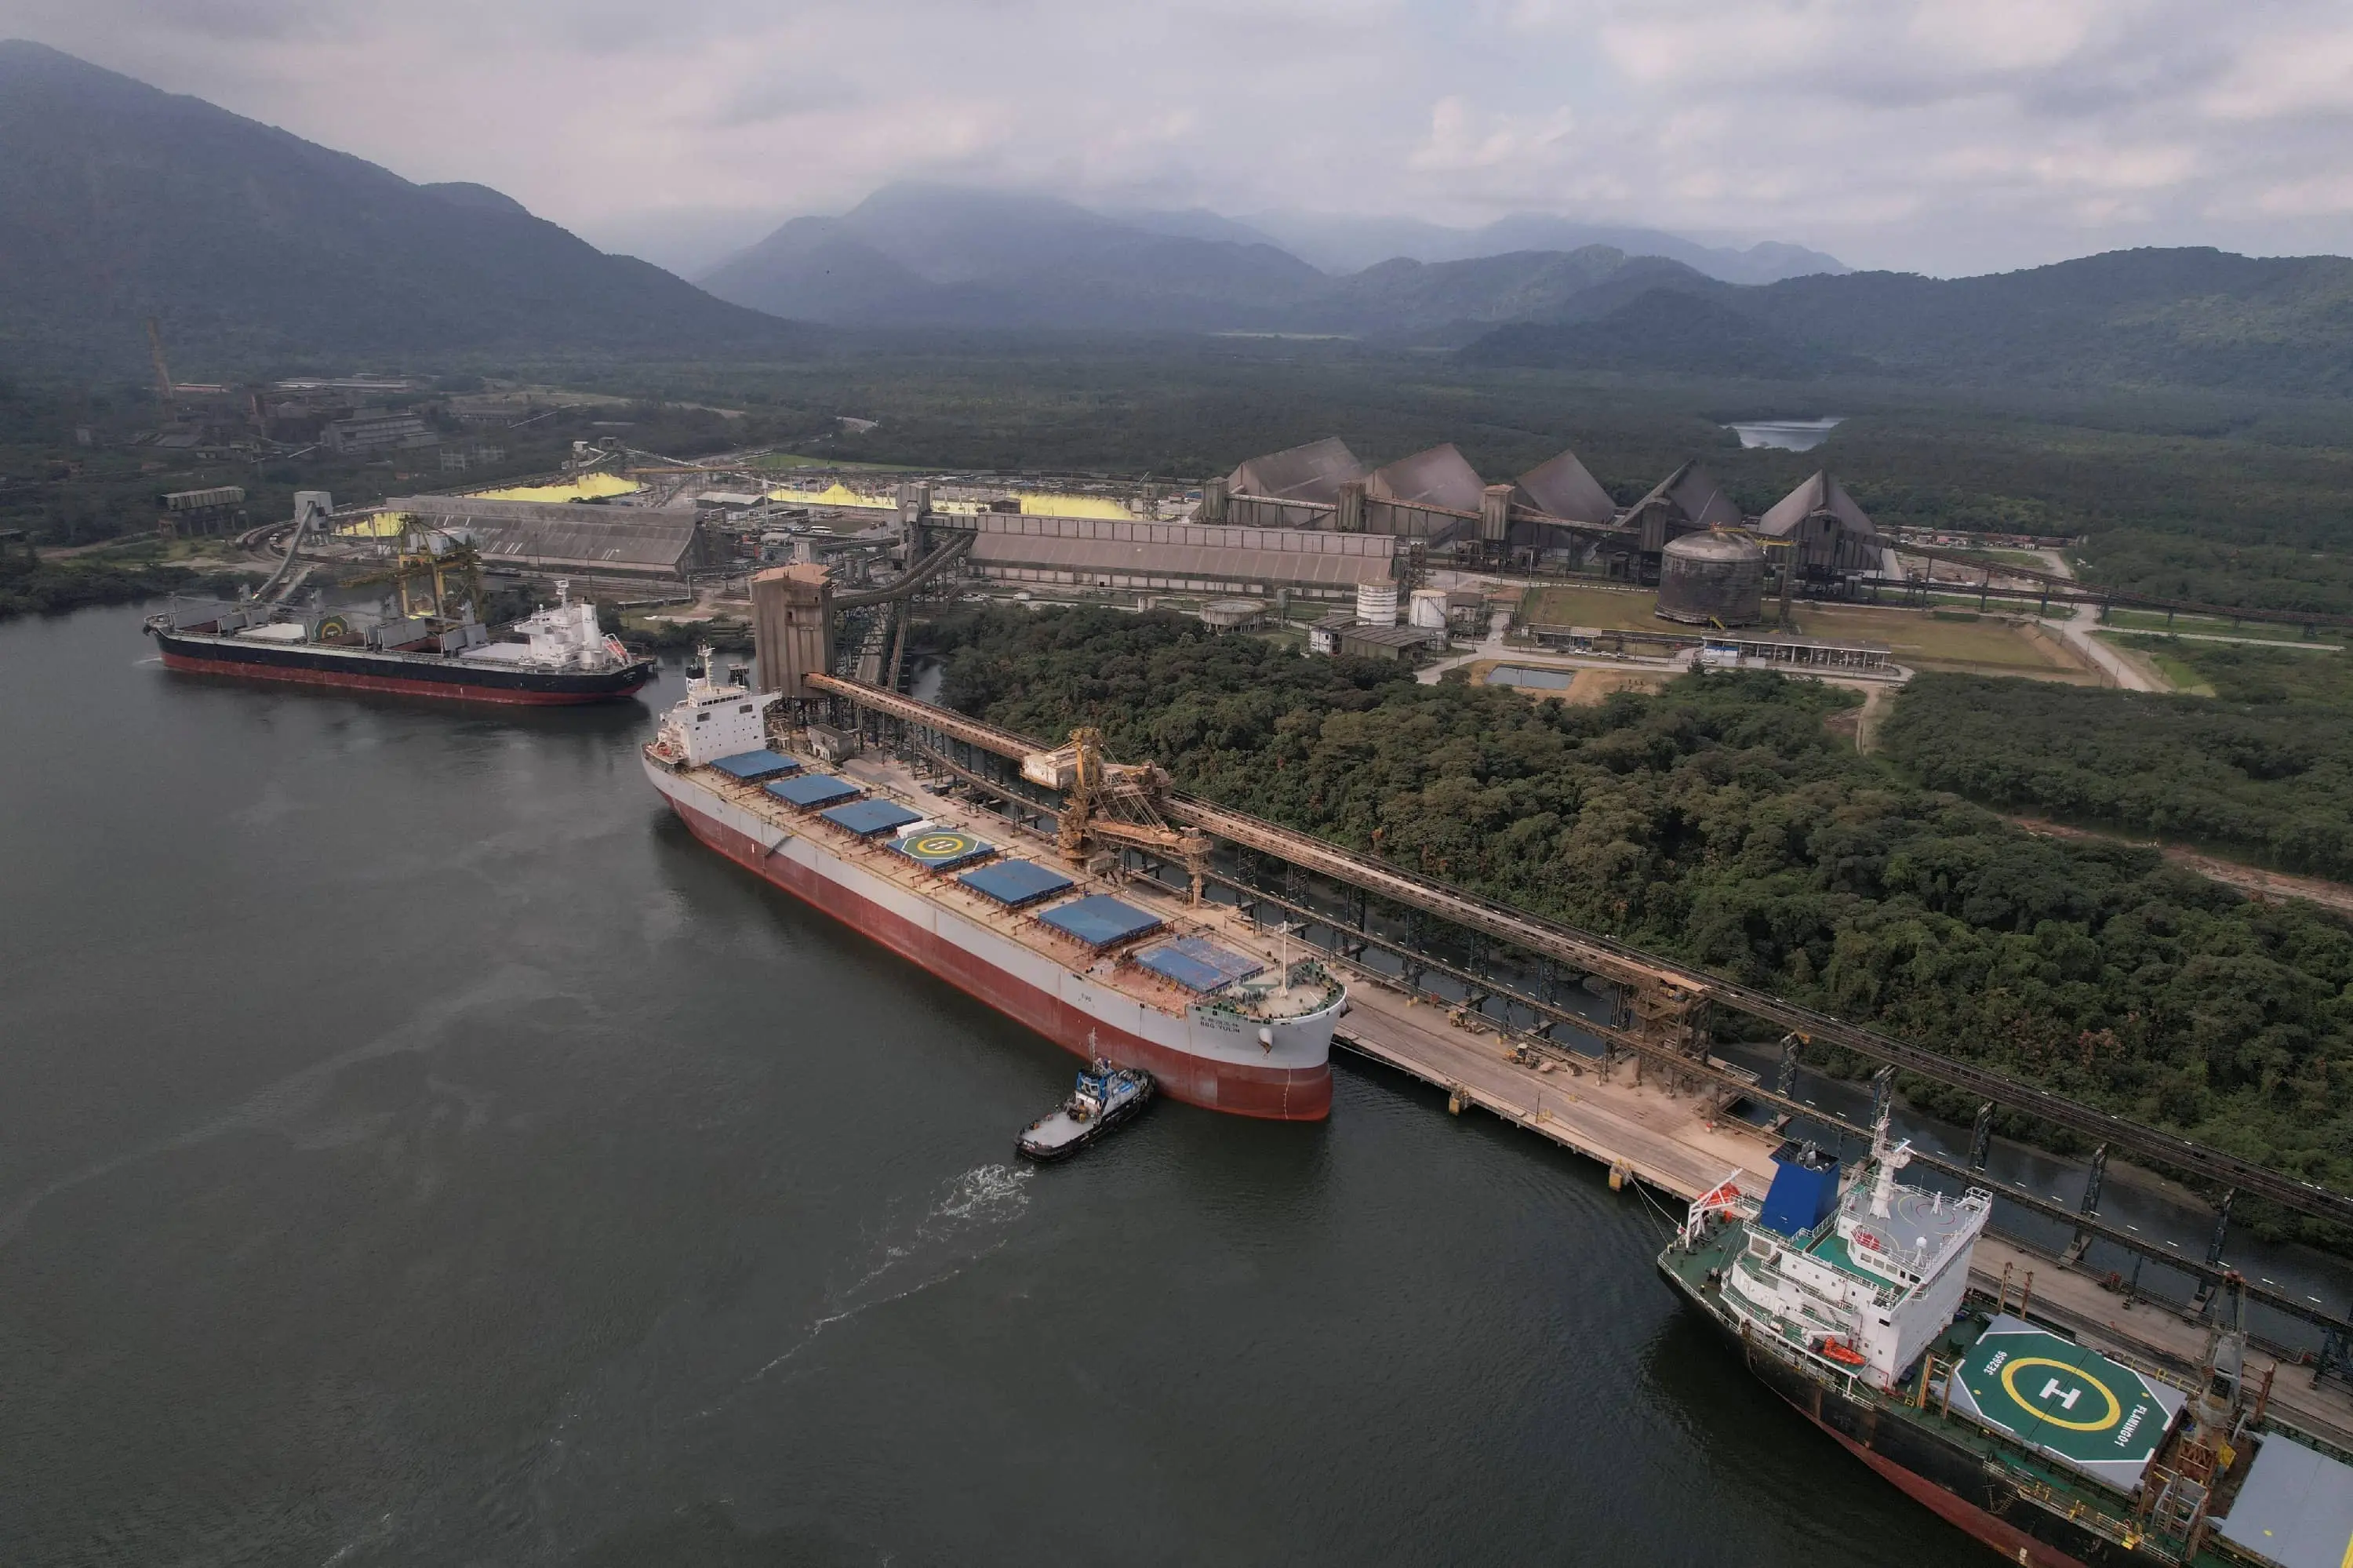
x=1113 y=804
x=418 y=561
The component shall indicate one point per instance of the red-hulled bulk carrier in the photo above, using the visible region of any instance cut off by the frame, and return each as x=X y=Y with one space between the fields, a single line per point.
x=1123 y=970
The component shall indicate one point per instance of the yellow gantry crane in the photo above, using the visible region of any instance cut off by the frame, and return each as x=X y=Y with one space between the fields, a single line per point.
x=418 y=562
x=1114 y=803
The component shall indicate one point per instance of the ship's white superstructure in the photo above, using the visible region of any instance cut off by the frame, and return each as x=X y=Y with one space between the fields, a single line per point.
x=561 y=636
x=716 y=720
x=1865 y=1279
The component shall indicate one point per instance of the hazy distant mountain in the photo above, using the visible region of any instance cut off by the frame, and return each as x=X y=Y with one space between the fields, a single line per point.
x=946 y=255
x=119 y=201
x=1457 y=300
x=1190 y=223
x=1346 y=244
x=2178 y=317
x=941 y=255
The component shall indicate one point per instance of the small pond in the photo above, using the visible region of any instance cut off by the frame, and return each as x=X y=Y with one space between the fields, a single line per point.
x=1790 y=435
x=1521 y=675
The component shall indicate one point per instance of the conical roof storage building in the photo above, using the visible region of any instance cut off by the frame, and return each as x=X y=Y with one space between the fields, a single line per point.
x=1439 y=477
x=1685 y=501
x=1314 y=473
x=1564 y=488
x=1712 y=580
x=1830 y=536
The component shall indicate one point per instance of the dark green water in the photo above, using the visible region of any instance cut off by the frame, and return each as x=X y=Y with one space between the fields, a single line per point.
x=415 y=1148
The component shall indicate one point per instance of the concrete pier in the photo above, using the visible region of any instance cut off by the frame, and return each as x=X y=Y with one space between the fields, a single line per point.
x=1674 y=1144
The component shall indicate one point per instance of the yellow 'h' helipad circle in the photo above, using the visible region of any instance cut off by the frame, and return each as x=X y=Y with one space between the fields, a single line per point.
x=2115 y=1411
x=941 y=844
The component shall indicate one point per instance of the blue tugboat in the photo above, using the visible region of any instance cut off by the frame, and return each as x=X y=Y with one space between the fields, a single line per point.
x=1106 y=1097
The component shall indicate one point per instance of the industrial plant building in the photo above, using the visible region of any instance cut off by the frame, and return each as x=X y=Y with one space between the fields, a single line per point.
x=559 y=539
x=1716 y=578
x=1558 y=513
x=1830 y=537
x=377 y=431
x=1102 y=552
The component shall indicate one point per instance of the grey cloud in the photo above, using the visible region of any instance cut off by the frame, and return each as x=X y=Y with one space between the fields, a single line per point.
x=1946 y=136
x=767 y=100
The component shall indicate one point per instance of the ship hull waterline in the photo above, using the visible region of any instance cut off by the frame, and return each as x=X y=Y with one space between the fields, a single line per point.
x=1272 y=1094
x=448 y=683
x=1946 y=1480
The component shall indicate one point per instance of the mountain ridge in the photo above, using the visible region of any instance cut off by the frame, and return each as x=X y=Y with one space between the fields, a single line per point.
x=120 y=202
x=2190 y=315
x=254 y=247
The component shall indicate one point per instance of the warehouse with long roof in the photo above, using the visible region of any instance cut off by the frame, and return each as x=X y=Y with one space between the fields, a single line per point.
x=1183 y=557
x=557 y=539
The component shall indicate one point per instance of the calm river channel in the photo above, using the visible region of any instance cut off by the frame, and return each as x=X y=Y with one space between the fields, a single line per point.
x=415 y=1148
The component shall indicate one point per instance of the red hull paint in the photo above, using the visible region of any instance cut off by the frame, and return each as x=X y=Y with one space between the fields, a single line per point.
x=1968 y=1518
x=1271 y=1093
x=443 y=689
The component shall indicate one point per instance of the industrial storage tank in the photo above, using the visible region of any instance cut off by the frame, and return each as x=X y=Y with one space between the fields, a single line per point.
x=1429 y=611
x=1712 y=578
x=1376 y=604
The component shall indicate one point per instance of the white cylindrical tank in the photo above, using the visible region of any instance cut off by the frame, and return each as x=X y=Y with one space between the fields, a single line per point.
x=1428 y=610
x=1376 y=604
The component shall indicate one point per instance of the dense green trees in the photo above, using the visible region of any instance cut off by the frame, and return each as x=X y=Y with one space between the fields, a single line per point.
x=1722 y=822
x=2272 y=781
x=27 y=588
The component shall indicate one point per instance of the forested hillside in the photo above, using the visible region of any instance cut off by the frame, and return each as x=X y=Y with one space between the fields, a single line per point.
x=2252 y=771
x=1722 y=824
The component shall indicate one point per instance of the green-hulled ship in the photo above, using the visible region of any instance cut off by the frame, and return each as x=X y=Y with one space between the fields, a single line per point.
x=1852 y=1302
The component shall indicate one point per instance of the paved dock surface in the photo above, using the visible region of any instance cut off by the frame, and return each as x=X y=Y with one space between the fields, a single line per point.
x=1670 y=1143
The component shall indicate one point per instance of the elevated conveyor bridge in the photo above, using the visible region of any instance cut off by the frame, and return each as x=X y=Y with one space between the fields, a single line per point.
x=1665 y=996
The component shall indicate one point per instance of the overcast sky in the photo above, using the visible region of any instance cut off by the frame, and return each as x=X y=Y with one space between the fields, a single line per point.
x=1950 y=136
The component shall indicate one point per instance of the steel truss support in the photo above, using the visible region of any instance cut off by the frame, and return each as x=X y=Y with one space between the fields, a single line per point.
x=1982 y=1137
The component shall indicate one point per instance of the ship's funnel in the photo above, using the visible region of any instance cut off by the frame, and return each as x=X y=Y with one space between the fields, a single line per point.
x=1805 y=1190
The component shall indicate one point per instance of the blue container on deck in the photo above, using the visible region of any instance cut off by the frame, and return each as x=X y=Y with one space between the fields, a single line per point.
x=1805 y=1190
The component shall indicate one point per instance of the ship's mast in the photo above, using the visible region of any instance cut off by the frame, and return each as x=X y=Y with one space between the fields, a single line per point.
x=1885 y=1163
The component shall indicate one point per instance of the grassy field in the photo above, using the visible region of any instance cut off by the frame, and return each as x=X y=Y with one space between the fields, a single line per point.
x=2032 y=560
x=1608 y=610
x=1990 y=646
x=2165 y=652
x=2209 y=626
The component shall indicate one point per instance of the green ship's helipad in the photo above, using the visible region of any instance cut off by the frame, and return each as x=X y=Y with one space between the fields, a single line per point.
x=2073 y=1403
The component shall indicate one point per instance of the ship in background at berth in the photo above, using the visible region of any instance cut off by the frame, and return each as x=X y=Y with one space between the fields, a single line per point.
x=1126 y=970
x=555 y=655
x=1853 y=1304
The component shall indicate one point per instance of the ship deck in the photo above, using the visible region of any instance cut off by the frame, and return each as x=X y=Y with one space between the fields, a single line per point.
x=1111 y=965
x=2044 y=1478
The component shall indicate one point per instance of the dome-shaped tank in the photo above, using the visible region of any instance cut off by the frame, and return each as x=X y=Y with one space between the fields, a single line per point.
x=1716 y=577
